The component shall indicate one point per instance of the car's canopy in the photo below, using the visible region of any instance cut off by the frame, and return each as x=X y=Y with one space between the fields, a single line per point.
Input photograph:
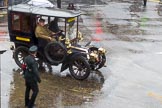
x=25 y=8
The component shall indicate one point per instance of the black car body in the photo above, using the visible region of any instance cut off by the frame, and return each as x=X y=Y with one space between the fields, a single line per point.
x=22 y=21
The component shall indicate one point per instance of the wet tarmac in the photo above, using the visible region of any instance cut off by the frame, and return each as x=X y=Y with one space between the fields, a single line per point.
x=131 y=34
x=87 y=2
x=57 y=91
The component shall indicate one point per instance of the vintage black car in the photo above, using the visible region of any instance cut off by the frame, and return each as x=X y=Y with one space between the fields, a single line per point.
x=81 y=60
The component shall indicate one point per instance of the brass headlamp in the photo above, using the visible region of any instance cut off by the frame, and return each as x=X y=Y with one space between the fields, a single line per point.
x=93 y=56
x=101 y=50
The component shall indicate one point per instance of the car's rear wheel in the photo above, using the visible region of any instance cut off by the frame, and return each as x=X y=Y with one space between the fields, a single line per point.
x=79 y=68
x=20 y=53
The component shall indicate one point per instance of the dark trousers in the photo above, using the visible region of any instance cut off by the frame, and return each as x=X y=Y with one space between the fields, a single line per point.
x=34 y=87
x=145 y=1
x=41 y=45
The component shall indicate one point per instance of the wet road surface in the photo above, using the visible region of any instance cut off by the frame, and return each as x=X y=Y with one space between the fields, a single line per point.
x=132 y=36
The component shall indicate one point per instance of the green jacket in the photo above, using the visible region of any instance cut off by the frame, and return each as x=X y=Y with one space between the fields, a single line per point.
x=31 y=73
x=42 y=32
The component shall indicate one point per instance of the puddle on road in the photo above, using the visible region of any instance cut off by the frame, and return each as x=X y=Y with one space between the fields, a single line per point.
x=135 y=26
x=136 y=6
x=135 y=51
x=57 y=91
x=116 y=26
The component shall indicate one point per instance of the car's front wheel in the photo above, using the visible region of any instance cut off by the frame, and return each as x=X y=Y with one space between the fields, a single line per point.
x=79 y=68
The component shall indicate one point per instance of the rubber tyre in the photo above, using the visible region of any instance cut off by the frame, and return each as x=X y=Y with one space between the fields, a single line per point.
x=55 y=53
x=20 y=53
x=83 y=68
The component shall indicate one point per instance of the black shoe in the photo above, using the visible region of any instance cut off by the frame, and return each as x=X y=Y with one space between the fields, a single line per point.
x=26 y=106
x=41 y=68
x=50 y=68
x=34 y=106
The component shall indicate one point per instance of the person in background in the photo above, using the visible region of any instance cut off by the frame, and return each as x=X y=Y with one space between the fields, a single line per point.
x=32 y=77
x=71 y=6
x=145 y=2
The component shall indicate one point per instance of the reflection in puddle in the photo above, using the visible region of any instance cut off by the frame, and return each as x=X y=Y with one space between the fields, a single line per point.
x=57 y=91
x=91 y=2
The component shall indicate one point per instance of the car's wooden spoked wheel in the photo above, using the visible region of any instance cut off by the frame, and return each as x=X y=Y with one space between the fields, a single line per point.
x=79 y=68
